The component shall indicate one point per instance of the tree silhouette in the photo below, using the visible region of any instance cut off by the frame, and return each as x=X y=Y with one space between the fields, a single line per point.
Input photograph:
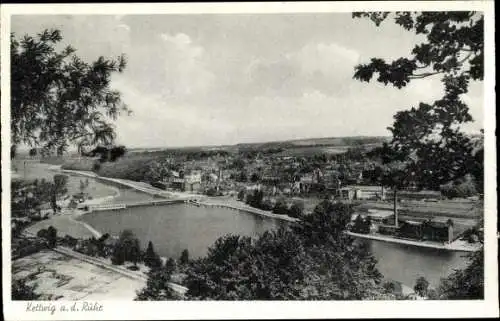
x=184 y=259
x=421 y=286
x=58 y=99
x=428 y=138
x=151 y=259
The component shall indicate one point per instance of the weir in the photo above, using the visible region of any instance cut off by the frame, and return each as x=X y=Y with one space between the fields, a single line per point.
x=105 y=207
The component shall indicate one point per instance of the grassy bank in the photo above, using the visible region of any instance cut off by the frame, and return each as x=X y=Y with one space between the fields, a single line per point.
x=134 y=166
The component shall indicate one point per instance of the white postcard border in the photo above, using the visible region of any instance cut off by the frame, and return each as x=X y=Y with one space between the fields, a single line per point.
x=260 y=309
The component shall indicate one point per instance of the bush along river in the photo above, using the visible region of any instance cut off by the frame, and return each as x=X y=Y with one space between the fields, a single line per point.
x=173 y=228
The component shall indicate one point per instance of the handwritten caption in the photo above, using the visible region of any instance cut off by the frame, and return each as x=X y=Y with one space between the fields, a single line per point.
x=53 y=308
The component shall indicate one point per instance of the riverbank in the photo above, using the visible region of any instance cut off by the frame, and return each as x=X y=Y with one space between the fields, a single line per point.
x=184 y=196
x=139 y=186
x=457 y=245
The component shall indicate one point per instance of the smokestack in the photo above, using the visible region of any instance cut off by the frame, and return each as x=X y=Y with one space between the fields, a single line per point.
x=396 y=208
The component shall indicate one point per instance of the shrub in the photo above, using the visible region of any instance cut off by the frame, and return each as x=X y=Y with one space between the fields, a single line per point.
x=266 y=205
x=151 y=259
x=211 y=192
x=23 y=291
x=280 y=207
x=459 y=189
x=297 y=209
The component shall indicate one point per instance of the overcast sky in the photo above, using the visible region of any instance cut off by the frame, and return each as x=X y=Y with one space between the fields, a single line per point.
x=225 y=79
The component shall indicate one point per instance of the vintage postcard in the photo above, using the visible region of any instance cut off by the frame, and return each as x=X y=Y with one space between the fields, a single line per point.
x=249 y=160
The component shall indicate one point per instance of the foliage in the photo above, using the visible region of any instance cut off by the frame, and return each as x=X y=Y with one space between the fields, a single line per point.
x=255 y=199
x=254 y=178
x=421 y=287
x=184 y=259
x=428 y=138
x=60 y=184
x=107 y=153
x=212 y=192
x=57 y=98
x=389 y=287
x=49 y=234
x=266 y=205
x=157 y=287
x=313 y=261
x=280 y=207
x=151 y=259
x=466 y=284
x=22 y=291
x=241 y=195
x=127 y=248
x=297 y=209
x=361 y=225
x=459 y=188
x=29 y=196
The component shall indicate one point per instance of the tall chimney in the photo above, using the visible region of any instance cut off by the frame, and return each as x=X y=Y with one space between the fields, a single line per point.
x=396 y=208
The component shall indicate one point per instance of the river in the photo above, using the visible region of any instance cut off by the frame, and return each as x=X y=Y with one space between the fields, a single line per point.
x=174 y=228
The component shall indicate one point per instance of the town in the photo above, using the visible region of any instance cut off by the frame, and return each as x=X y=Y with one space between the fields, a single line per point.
x=226 y=163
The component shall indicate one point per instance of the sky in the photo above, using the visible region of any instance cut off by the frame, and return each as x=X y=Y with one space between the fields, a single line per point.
x=215 y=79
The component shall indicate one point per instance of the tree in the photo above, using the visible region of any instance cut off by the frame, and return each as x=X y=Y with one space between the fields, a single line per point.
x=254 y=178
x=241 y=195
x=127 y=248
x=280 y=207
x=184 y=259
x=389 y=287
x=421 y=287
x=57 y=99
x=297 y=209
x=52 y=236
x=465 y=284
x=157 y=286
x=117 y=152
x=22 y=291
x=151 y=259
x=360 y=225
x=60 y=184
x=312 y=260
x=265 y=205
x=171 y=264
x=255 y=199
x=58 y=189
x=428 y=138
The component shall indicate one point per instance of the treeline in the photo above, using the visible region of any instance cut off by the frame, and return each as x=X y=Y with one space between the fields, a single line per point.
x=313 y=260
x=310 y=260
x=29 y=196
x=256 y=199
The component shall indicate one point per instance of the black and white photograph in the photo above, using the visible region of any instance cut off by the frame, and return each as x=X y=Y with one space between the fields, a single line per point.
x=329 y=155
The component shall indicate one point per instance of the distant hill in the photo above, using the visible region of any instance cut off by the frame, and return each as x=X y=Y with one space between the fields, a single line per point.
x=296 y=146
x=319 y=142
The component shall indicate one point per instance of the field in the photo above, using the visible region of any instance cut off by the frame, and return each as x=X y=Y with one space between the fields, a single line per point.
x=64 y=224
x=465 y=209
x=60 y=277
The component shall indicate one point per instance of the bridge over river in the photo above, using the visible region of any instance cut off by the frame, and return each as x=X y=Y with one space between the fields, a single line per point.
x=114 y=206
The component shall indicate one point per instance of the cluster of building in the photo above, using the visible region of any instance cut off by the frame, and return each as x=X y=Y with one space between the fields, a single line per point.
x=423 y=229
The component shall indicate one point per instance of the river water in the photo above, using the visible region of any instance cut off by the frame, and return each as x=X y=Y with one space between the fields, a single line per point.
x=174 y=228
